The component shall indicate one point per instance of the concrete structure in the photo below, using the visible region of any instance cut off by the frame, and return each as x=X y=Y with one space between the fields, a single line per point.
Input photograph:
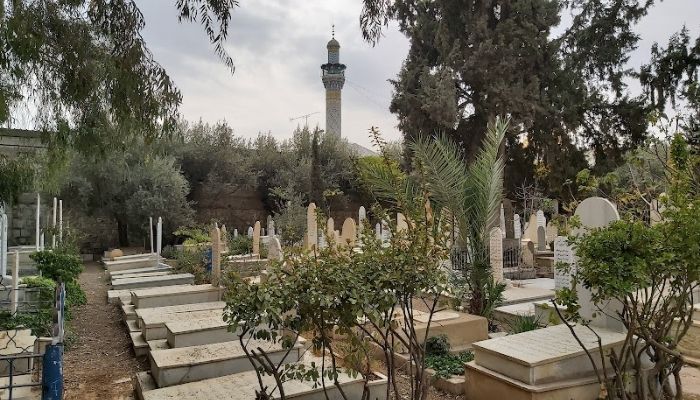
x=174 y=295
x=541 y=364
x=333 y=78
x=197 y=332
x=461 y=329
x=152 y=281
x=242 y=386
x=190 y=364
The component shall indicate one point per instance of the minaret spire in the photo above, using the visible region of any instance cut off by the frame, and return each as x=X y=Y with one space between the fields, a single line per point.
x=333 y=78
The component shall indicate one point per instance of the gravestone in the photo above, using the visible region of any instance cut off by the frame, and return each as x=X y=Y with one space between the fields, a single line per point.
x=401 y=224
x=361 y=216
x=517 y=228
x=655 y=212
x=378 y=231
x=215 y=235
x=386 y=232
x=541 y=220
x=541 y=239
x=597 y=212
x=496 y=253
x=311 y=227
x=552 y=231
x=274 y=251
x=322 y=243
x=269 y=224
x=256 y=238
x=563 y=254
x=235 y=232
x=224 y=239
x=508 y=207
x=503 y=220
x=250 y=232
x=330 y=231
x=271 y=228
x=531 y=228
x=349 y=234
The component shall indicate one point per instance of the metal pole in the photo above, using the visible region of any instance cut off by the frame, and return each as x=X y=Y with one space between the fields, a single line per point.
x=60 y=220
x=55 y=211
x=150 y=227
x=38 y=224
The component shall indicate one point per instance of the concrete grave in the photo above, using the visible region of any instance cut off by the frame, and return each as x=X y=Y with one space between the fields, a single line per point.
x=152 y=281
x=136 y=271
x=198 y=331
x=174 y=295
x=142 y=262
x=153 y=325
x=461 y=329
x=190 y=364
x=541 y=364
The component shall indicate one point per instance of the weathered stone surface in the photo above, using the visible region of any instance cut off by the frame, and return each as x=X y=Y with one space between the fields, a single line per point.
x=311 y=227
x=174 y=295
x=545 y=355
x=496 y=253
x=152 y=281
x=349 y=233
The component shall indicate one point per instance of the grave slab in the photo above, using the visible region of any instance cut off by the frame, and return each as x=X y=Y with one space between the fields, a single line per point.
x=157 y=268
x=197 y=332
x=153 y=324
x=461 y=329
x=112 y=266
x=545 y=355
x=153 y=281
x=140 y=275
x=190 y=364
x=242 y=386
x=174 y=295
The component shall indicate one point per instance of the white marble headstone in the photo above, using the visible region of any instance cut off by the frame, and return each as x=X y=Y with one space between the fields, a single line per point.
x=563 y=253
x=517 y=228
x=541 y=220
x=597 y=212
x=503 y=220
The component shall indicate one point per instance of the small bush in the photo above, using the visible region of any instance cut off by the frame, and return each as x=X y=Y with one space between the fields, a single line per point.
x=169 y=252
x=192 y=235
x=39 y=322
x=193 y=262
x=446 y=365
x=524 y=323
x=46 y=286
x=58 y=266
x=241 y=244
x=437 y=345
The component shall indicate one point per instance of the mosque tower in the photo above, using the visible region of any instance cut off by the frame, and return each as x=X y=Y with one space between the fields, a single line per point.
x=333 y=77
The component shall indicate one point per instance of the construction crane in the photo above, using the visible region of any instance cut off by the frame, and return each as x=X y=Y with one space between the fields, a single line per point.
x=305 y=116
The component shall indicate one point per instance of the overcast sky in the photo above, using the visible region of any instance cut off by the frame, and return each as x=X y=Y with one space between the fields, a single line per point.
x=278 y=47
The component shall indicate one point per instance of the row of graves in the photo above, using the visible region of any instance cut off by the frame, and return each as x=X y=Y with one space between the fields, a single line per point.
x=179 y=327
x=546 y=363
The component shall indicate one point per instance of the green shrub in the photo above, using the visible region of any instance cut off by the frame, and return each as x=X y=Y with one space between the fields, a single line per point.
x=57 y=265
x=446 y=365
x=46 y=286
x=192 y=261
x=524 y=323
x=39 y=322
x=241 y=244
x=192 y=235
x=437 y=345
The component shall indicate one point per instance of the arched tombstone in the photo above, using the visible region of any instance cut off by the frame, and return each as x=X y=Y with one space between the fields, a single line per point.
x=597 y=212
x=311 y=227
x=250 y=232
x=517 y=228
x=496 y=253
x=401 y=223
x=378 y=230
x=531 y=228
x=349 y=233
x=274 y=252
x=330 y=230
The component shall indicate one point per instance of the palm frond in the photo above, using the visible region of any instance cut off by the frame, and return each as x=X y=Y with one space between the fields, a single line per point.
x=484 y=182
x=443 y=170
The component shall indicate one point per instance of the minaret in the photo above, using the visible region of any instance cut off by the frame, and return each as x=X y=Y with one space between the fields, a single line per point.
x=333 y=77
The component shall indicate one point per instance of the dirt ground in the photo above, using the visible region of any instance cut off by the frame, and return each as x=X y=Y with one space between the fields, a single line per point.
x=100 y=364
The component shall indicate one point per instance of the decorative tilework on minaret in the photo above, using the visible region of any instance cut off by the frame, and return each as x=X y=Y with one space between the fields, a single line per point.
x=333 y=77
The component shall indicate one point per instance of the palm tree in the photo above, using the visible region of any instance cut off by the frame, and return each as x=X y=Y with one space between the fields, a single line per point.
x=470 y=194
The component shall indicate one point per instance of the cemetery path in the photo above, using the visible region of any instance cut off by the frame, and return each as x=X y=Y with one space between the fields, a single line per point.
x=101 y=363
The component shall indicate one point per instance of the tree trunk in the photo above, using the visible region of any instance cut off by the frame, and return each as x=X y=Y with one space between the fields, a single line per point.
x=123 y=231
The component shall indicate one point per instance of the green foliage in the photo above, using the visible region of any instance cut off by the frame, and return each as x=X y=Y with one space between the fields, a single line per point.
x=192 y=261
x=130 y=186
x=242 y=244
x=336 y=292
x=290 y=221
x=446 y=365
x=46 y=286
x=192 y=235
x=17 y=177
x=39 y=322
x=437 y=345
x=106 y=73
x=57 y=266
x=524 y=323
